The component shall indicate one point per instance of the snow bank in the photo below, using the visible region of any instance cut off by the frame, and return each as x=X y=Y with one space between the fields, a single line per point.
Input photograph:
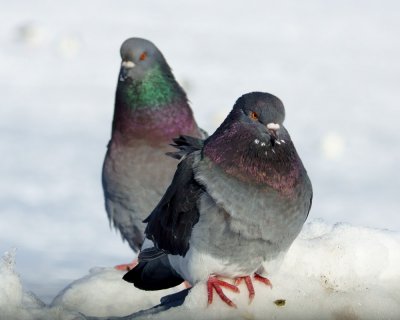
x=101 y=293
x=330 y=272
x=104 y=293
x=17 y=304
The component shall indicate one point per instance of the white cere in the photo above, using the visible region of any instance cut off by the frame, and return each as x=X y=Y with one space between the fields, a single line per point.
x=127 y=64
x=283 y=141
x=273 y=126
x=256 y=141
x=273 y=150
x=277 y=142
x=262 y=144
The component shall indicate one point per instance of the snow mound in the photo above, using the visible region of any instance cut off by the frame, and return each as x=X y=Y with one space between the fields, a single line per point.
x=330 y=272
x=17 y=304
x=104 y=293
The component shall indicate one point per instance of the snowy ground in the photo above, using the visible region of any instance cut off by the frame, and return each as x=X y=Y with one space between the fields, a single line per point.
x=330 y=272
x=335 y=66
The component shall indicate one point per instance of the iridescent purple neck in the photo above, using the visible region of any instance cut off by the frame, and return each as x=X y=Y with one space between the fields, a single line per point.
x=232 y=149
x=153 y=124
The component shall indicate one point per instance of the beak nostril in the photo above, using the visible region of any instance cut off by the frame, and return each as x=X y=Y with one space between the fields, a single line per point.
x=273 y=126
x=127 y=64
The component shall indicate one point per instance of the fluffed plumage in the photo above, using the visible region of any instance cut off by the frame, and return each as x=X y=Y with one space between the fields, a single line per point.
x=236 y=203
x=150 y=110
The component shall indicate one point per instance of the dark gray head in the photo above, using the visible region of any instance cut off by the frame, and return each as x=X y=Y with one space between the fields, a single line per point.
x=138 y=57
x=261 y=107
x=261 y=115
x=253 y=145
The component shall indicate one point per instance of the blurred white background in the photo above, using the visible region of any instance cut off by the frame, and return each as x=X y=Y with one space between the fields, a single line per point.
x=335 y=65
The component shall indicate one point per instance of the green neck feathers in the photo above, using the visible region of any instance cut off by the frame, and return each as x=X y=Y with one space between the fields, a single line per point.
x=157 y=88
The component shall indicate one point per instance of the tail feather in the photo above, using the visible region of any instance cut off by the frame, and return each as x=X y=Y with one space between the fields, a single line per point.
x=155 y=274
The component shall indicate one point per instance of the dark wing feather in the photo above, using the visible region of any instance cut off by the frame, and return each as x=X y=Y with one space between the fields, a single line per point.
x=185 y=145
x=170 y=224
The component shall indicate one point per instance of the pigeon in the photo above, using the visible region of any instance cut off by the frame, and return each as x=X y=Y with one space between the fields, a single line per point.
x=151 y=109
x=235 y=205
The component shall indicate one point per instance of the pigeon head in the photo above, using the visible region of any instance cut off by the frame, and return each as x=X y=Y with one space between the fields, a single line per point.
x=261 y=115
x=138 y=57
x=267 y=107
x=149 y=102
x=145 y=80
x=253 y=145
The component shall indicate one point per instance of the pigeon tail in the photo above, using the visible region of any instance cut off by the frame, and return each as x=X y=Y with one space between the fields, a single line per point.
x=152 y=274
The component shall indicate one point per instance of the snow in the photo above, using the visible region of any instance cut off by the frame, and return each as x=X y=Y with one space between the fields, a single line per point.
x=334 y=65
x=17 y=304
x=330 y=272
x=104 y=293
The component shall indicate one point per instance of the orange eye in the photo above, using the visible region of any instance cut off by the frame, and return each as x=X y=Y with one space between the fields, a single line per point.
x=253 y=115
x=143 y=56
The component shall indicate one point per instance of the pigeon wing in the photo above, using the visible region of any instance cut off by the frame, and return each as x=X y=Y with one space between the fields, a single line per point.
x=185 y=146
x=170 y=224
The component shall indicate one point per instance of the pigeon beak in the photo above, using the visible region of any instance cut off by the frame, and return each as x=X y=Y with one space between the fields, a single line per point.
x=125 y=67
x=272 y=129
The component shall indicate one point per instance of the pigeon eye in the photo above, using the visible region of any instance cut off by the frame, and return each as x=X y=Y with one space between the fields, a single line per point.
x=143 y=56
x=253 y=115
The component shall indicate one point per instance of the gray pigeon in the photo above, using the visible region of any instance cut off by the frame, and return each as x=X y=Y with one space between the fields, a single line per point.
x=235 y=204
x=150 y=110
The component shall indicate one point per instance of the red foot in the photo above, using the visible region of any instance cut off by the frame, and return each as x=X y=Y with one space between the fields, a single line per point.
x=249 y=286
x=127 y=266
x=214 y=283
x=263 y=280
